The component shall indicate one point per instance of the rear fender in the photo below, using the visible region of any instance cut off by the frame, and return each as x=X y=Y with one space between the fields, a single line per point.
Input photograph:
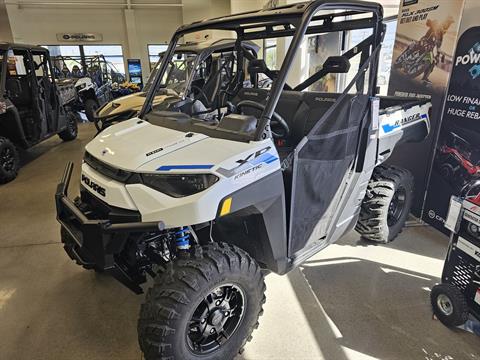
x=403 y=126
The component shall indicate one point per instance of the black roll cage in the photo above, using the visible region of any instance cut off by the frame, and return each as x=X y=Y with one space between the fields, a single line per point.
x=3 y=71
x=291 y=20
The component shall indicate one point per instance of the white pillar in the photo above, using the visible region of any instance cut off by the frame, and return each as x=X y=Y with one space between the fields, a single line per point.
x=14 y=19
x=5 y=30
x=132 y=50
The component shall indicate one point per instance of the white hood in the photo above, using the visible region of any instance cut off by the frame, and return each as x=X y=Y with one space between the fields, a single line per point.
x=131 y=144
x=137 y=145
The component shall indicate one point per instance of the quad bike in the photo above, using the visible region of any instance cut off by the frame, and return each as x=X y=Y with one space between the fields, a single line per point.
x=34 y=106
x=208 y=209
x=214 y=62
x=457 y=161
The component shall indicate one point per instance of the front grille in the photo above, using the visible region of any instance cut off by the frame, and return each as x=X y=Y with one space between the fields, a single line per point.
x=105 y=169
x=96 y=209
x=462 y=271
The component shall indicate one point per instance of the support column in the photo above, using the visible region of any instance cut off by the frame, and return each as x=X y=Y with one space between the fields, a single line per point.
x=14 y=19
x=5 y=30
x=133 y=50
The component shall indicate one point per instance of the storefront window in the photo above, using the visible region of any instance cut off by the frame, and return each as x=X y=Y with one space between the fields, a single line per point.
x=153 y=51
x=112 y=53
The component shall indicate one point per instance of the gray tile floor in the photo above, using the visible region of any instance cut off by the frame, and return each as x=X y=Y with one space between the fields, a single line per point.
x=351 y=301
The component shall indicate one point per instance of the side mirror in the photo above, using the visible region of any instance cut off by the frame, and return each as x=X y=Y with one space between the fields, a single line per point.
x=336 y=65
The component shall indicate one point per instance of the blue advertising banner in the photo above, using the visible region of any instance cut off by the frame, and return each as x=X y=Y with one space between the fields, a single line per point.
x=456 y=167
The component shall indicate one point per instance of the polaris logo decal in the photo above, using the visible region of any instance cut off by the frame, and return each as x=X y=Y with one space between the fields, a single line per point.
x=94 y=186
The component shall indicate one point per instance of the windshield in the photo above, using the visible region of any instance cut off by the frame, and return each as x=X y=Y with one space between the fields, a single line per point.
x=303 y=57
x=178 y=74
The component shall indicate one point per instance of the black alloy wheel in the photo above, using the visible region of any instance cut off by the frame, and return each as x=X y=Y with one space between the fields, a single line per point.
x=396 y=207
x=215 y=319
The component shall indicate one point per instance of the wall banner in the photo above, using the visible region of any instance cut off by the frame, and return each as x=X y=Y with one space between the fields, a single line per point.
x=422 y=60
x=456 y=166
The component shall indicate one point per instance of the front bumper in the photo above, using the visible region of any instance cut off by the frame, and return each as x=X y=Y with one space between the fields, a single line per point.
x=95 y=237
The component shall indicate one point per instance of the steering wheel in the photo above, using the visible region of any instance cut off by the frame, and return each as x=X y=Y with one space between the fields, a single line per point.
x=201 y=94
x=275 y=117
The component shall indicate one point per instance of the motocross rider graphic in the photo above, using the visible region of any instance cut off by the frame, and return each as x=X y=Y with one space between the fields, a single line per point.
x=421 y=56
x=432 y=42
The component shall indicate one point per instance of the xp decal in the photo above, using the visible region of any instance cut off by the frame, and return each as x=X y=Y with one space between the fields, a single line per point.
x=249 y=164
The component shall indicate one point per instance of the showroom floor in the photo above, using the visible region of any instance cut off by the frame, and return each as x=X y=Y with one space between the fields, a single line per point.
x=351 y=301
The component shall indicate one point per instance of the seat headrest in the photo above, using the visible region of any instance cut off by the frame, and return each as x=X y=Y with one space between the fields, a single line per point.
x=336 y=65
x=257 y=66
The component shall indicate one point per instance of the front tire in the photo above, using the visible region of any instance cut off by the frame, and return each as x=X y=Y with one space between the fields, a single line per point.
x=386 y=205
x=449 y=305
x=71 y=131
x=9 y=160
x=91 y=106
x=204 y=306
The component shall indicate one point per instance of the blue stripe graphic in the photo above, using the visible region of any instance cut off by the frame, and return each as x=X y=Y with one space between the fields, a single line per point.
x=266 y=158
x=389 y=128
x=184 y=167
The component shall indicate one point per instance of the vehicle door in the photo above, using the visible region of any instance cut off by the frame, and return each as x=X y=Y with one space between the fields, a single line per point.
x=22 y=89
x=324 y=160
x=47 y=95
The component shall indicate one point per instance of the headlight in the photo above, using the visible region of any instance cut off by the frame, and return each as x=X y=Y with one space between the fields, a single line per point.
x=82 y=86
x=179 y=185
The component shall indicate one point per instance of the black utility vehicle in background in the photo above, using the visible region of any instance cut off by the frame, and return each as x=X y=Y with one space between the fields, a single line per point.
x=92 y=76
x=33 y=107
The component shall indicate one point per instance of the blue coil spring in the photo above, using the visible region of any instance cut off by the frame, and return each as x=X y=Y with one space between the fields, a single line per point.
x=182 y=238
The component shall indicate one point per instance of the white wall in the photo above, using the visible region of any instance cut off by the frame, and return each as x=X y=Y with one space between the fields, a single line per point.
x=470 y=17
x=40 y=25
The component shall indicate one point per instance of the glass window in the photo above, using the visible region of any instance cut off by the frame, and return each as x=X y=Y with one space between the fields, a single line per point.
x=113 y=54
x=385 y=60
x=270 y=53
x=64 y=50
x=153 y=53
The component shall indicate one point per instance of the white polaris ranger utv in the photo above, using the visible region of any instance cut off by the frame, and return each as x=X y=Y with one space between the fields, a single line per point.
x=204 y=207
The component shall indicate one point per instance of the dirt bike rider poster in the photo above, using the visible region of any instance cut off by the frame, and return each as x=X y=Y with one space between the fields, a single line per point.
x=421 y=63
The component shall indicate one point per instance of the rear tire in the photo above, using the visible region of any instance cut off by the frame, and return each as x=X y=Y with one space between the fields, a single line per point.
x=386 y=205
x=91 y=106
x=71 y=131
x=217 y=289
x=9 y=160
x=449 y=305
